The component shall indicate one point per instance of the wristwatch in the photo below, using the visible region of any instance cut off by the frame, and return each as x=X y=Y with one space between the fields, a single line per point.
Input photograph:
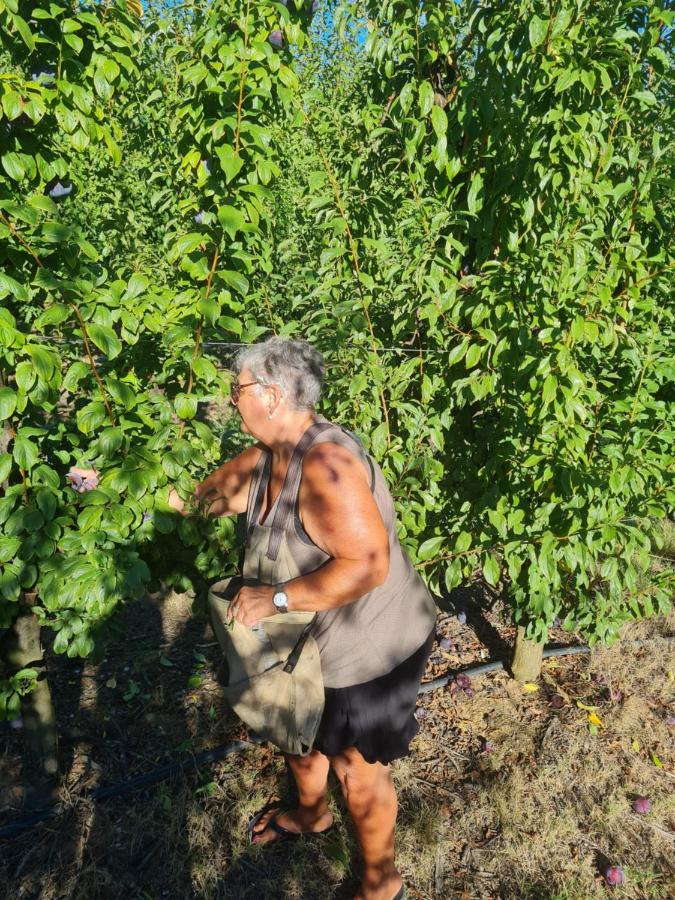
x=280 y=599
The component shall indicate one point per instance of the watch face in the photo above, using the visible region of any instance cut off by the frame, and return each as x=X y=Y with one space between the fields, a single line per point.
x=280 y=600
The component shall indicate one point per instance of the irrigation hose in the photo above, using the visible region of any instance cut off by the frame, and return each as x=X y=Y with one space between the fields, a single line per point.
x=160 y=773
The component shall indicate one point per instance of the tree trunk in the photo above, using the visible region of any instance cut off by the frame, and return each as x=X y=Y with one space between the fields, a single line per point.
x=527 y=657
x=21 y=648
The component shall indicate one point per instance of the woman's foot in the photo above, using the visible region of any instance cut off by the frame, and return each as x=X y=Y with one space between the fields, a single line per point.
x=277 y=824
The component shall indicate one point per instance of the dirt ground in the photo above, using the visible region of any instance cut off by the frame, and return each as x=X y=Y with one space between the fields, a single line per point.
x=510 y=791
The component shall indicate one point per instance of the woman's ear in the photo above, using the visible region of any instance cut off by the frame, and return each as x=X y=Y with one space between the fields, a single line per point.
x=274 y=396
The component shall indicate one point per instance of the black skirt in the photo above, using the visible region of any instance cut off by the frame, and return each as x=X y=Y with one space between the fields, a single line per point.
x=377 y=717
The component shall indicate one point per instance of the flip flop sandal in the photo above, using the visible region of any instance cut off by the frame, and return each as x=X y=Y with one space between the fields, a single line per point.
x=283 y=834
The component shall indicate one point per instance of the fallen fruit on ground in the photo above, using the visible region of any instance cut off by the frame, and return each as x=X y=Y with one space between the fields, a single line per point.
x=614 y=876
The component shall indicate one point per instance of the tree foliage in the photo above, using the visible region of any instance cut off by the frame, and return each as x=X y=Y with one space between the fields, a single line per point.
x=467 y=207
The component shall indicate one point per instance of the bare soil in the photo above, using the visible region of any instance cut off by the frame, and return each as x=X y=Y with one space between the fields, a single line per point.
x=510 y=791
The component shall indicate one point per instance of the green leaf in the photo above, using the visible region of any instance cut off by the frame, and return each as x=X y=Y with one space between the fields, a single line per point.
x=110 y=440
x=426 y=98
x=105 y=339
x=5 y=466
x=7 y=402
x=55 y=233
x=25 y=376
x=185 y=406
x=9 y=546
x=91 y=416
x=25 y=452
x=646 y=97
x=14 y=165
x=43 y=361
x=53 y=315
x=491 y=569
x=538 y=31
x=549 y=390
x=430 y=547
x=439 y=120
x=231 y=219
x=230 y=163
x=121 y=392
x=138 y=284
x=186 y=243
x=463 y=542
x=210 y=309
x=235 y=280
x=473 y=355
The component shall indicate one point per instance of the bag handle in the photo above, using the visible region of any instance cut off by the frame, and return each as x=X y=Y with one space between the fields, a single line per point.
x=294 y=655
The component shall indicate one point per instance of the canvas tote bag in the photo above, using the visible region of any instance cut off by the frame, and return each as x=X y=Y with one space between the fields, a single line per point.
x=274 y=681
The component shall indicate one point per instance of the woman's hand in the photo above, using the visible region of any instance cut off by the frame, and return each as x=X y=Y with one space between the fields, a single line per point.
x=82 y=480
x=175 y=501
x=252 y=604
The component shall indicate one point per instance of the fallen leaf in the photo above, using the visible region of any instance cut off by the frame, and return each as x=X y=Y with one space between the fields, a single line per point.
x=635 y=745
x=583 y=706
x=530 y=687
x=595 y=720
x=657 y=762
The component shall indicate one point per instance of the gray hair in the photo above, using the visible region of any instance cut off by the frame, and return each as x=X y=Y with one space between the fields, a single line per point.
x=295 y=366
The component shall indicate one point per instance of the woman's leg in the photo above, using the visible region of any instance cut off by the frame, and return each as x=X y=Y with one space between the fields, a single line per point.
x=371 y=800
x=312 y=813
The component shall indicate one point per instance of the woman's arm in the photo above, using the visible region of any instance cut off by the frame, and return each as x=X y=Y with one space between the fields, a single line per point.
x=339 y=513
x=225 y=491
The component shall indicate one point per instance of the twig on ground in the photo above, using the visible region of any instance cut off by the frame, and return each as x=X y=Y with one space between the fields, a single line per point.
x=664 y=831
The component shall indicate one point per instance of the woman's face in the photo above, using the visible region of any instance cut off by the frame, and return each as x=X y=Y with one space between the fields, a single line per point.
x=247 y=395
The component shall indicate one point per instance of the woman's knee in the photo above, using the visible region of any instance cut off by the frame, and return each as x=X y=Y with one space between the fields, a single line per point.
x=312 y=762
x=354 y=771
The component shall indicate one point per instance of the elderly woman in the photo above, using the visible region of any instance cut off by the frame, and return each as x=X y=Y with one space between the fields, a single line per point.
x=375 y=622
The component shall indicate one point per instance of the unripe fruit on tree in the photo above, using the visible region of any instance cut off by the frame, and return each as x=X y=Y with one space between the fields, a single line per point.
x=614 y=876
x=58 y=189
x=276 y=39
x=641 y=805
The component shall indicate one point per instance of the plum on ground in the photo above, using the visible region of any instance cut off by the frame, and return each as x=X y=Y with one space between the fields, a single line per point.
x=614 y=876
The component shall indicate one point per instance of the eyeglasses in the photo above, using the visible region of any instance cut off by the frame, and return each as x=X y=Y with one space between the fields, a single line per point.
x=236 y=389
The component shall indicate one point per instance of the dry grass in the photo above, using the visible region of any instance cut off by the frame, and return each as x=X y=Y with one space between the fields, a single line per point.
x=538 y=817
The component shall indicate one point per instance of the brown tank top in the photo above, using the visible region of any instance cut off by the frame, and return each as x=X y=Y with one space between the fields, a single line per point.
x=361 y=640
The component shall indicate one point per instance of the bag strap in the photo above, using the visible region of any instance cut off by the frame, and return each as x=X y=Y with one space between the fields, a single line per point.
x=262 y=476
x=289 y=490
x=294 y=655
